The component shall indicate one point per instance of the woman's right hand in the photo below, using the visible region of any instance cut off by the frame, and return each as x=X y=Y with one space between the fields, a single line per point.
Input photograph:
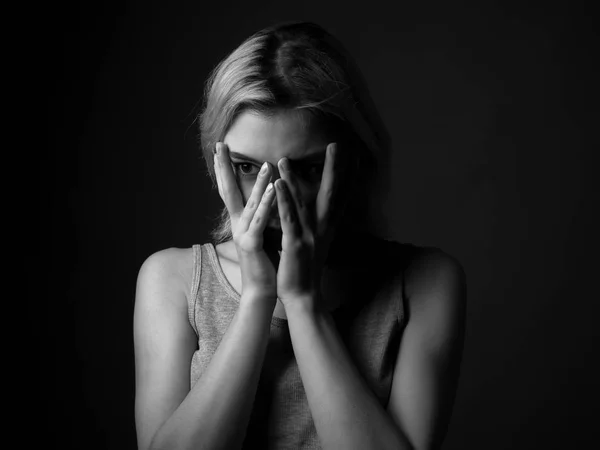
x=259 y=277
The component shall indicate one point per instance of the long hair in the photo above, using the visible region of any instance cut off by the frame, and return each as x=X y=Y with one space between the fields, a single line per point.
x=297 y=66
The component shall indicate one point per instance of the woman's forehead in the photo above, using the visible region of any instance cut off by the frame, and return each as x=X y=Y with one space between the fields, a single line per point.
x=283 y=133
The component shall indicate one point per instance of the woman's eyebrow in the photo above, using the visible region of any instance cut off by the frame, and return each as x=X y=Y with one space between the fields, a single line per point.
x=237 y=155
x=317 y=156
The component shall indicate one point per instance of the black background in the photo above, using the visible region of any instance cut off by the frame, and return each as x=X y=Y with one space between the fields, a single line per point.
x=491 y=108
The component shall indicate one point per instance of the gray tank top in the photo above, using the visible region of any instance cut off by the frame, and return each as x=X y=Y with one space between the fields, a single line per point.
x=370 y=324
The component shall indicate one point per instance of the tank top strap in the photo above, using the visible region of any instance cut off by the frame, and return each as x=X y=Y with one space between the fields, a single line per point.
x=196 y=274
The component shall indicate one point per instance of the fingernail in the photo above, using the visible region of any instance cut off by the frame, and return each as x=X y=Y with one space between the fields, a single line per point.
x=285 y=165
x=218 y=148
x=263 y=169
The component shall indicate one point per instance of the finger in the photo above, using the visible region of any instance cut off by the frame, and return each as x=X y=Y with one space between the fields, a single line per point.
x=261 y=215
x=290 y=226
x=326 y=193
x=255 y=197
x=230 y=192
x=218 y=176
x=295 y=194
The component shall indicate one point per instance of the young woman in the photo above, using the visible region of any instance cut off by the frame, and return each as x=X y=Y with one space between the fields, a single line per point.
x=296 y=328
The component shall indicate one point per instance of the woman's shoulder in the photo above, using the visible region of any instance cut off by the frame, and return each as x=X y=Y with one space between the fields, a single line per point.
x=417 y=264
x=411 y=255
x=171 y=268
x=432 y=268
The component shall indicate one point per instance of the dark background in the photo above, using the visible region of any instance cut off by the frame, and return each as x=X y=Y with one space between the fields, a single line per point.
x=491 y=108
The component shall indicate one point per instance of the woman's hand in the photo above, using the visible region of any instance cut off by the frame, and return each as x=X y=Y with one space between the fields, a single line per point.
x=307 y=232
x=259 y=278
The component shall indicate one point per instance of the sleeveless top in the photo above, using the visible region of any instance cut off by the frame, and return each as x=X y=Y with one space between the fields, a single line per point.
x=370 y=322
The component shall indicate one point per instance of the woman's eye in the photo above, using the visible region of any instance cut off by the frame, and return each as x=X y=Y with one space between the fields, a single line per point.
x=246 y=169
x=308 y=171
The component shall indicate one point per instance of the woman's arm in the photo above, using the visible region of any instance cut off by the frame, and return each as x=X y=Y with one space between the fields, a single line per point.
x=215 y=413
x=345 y=411
x=428 y=365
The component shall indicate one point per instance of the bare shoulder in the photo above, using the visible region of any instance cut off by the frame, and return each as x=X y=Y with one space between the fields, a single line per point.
x=169 y=270
x=433 y=276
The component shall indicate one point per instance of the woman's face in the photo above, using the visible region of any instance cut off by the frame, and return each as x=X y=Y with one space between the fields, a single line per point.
x=254 y=138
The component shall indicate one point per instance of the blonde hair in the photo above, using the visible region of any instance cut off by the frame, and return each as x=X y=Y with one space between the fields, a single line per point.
x=296 y=66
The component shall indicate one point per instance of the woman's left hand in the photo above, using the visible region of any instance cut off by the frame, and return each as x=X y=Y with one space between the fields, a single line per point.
x=307 y=232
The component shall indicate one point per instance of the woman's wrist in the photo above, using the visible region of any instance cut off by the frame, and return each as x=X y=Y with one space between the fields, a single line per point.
x=305 y=304
x=258 y=303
